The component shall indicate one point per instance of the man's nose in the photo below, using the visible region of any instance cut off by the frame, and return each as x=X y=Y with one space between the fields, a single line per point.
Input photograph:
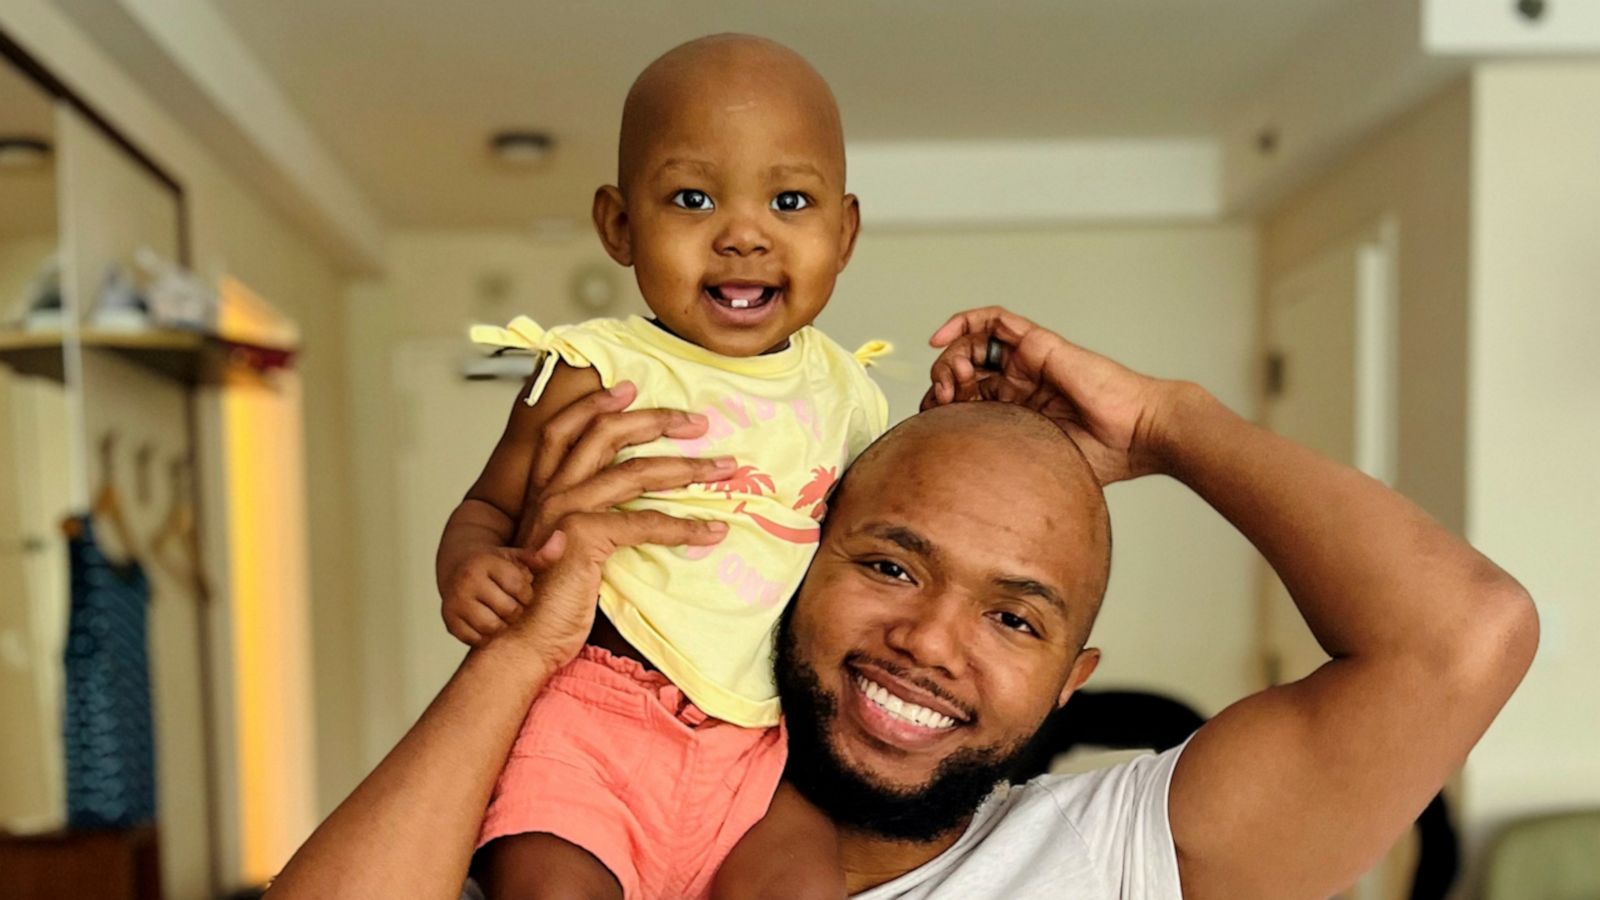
x=933 y=634
x=743 y=233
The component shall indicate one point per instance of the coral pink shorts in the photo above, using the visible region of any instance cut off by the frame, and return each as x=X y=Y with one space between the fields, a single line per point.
x=615 y=759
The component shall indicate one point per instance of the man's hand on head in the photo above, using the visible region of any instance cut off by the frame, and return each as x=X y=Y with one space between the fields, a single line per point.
x=1115 y=415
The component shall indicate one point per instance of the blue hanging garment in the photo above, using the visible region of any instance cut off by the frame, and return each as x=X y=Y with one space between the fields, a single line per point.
x=108 y=730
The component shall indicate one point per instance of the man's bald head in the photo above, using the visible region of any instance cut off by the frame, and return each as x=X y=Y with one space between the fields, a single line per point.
x=726 y=72
x=1004 y=446
x=962 y=562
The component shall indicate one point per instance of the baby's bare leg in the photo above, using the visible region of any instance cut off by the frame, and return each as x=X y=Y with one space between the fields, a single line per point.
x=791 y=854
x=545 y=867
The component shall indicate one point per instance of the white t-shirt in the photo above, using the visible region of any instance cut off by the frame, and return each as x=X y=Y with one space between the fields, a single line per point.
x=1102 y=835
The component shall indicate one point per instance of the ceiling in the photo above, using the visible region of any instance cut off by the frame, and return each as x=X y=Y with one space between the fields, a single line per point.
x=405 y=92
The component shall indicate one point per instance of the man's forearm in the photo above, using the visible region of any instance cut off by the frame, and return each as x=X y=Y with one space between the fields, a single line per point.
x=408 y=829
x=1370 y=571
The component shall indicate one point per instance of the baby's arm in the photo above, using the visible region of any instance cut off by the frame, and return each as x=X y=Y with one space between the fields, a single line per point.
x=483 y=579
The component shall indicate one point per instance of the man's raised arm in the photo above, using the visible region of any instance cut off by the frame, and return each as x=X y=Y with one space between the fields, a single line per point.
x=1297 y=790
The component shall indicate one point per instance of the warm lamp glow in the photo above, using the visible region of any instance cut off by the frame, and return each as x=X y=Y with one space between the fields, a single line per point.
x=271 y=634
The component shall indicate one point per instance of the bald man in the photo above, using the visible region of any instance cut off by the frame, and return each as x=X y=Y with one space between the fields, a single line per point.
x=947 y=613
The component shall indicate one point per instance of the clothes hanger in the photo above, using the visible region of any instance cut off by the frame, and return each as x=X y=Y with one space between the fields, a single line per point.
x=176 y=544
x=141 y=472
x=107 y=506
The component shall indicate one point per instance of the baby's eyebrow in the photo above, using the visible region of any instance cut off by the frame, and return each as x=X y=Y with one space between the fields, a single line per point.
x=698 y=166
x=802 y=168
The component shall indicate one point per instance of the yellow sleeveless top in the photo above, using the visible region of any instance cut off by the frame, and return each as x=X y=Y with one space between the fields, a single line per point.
x=793 y=420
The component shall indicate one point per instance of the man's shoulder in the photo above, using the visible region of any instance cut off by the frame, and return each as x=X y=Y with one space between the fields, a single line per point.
x=1109 y=791
x=1106 y=827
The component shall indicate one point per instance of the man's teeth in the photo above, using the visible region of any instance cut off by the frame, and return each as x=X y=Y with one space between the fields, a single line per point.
x=902 y=709
x=739 y=304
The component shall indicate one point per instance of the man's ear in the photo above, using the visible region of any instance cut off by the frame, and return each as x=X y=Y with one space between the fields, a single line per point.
x=849 y=229
x=1082 y=668
x=611 y=223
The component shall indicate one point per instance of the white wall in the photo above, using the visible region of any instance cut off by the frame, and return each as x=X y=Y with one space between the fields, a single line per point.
x=1417 y=171
x=1534 y=480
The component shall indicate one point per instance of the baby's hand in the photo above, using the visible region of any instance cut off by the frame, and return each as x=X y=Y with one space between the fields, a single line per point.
x=486 y=593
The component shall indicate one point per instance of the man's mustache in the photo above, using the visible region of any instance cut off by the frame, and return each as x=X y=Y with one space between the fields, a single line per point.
x=921 y=681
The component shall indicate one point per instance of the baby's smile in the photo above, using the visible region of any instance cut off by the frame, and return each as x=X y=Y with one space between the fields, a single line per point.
x=742 y=304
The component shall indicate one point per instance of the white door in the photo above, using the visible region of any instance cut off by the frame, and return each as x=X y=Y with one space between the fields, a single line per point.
x=1331 y=341
x=448 y=426
x=33 y=601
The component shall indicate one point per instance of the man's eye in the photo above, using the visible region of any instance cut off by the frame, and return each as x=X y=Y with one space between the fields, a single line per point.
x=888 y=569
x=1014 y=622
x=692 y=199
x=790 y=201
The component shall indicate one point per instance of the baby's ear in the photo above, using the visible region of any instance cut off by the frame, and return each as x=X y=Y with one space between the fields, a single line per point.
x=850 y=226
x=611 y=223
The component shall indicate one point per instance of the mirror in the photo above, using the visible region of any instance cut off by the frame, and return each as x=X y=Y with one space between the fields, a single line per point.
x=34 y=492
x=137 y=446
x=102 y=659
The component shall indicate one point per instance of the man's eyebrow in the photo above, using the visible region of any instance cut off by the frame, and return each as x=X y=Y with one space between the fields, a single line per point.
x=907 y=539
x=1021 y=585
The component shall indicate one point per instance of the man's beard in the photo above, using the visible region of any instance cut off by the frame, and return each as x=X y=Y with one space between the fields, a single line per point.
x=851 y=798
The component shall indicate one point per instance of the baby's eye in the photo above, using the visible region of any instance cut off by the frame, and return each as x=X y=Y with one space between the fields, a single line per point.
x=1014 y=622
x=888 y=569
x=690 y=198
x=790 y=201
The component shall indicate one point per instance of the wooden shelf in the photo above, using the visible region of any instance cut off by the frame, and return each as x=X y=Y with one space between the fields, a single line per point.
x=184 y=356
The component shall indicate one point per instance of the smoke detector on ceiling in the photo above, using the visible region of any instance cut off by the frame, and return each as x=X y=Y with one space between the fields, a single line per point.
x=521 y=148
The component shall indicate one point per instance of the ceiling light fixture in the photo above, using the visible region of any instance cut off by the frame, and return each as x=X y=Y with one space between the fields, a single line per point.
x=18 y=153
x=521 y=148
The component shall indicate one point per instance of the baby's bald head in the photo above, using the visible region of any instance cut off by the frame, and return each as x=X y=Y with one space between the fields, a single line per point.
x=725 y=73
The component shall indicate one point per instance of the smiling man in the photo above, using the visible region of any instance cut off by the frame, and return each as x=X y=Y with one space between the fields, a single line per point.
x=945 y=615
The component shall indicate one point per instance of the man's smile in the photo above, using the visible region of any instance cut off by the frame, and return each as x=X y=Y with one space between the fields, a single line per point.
x=904 y=710
x=897 y=713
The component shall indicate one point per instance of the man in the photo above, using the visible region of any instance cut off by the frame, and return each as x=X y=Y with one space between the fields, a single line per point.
x=945 y=615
